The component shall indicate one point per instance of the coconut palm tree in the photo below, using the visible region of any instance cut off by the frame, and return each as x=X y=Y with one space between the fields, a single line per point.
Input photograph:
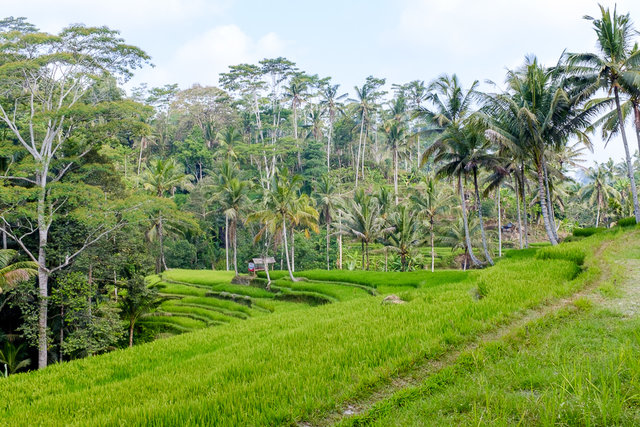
x=332 y=105
x=162 y=177
x=328 y=199
x=455 y=237
x=281 y=205
x=396 y=134
x=404 y=234
x=227 y=139
x=13 y=274
x=429 y=201
x=615 y=68
x=599 y=190
x=11 y=359
x=366 y=97
x=363 y=221
x=232 y=195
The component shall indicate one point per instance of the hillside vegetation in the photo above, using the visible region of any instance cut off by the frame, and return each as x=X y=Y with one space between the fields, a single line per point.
x=297 y=365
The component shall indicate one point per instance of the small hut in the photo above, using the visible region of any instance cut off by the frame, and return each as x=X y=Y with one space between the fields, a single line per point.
x=260 y=264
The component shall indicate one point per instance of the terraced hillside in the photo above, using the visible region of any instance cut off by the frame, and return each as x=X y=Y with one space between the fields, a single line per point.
x=324 y=364
x=196 y=299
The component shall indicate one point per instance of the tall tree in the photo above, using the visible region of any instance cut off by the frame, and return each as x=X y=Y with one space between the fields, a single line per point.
x=615 y=67
x=44 y=79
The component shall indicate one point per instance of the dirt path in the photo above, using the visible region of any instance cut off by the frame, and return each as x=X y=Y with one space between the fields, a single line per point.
x=420 y=373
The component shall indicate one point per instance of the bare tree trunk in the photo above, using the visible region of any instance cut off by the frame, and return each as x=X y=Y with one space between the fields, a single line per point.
x=479 y=210
x=395 y=173
x=499 y=223
x=43 y=277
x=636 y=110
x=286 y=250
x=140 y=155
x=433 y=249
x=524 y=204
x=235 y=246
x=328 y=264
x=61 y=331
x=598 y=213
x=467 y=237
x=329 y=145
x=226 y=239
x=543 y=206
x=359 y=148
x=293 y=250
x=161 y=240
x=516 y=186
x=340 y=242
x=632 y=180
x=131 y=324
x=552 y=215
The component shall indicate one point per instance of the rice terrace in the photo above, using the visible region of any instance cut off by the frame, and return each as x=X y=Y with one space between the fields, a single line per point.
x=193 y=235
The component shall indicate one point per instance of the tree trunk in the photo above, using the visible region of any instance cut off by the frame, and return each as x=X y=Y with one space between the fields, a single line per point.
x=286 y=250
x=433 y=249
x=226 y=239
x=359 y=148
x=329 y=145
x=499 y=223
x=479 y=210
x=632 y=180
x=395 y=173
x=366 y=246
x=131 y=324
x=467 y=237
x=235 y=246
x=516 y=186
x=61 y=330
x=161 y=239
x=363 y=265
x=598 y=213
x=328 y=264
x=340 y=242
x=293 y=250
x=636 y=110
x=552 y=219
x=543 y=206
x=524 y=204
x=43 y=276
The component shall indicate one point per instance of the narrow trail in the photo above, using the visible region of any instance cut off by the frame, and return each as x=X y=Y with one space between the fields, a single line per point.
x=430 y=367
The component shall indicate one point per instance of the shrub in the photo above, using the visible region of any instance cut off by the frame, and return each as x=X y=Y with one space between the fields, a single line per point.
x=627 y=222
x=586 y=232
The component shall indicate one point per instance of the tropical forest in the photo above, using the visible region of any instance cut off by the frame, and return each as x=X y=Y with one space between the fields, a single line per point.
x=278 y=248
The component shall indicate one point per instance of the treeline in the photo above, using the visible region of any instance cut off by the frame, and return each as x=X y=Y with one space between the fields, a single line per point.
x=100 y=189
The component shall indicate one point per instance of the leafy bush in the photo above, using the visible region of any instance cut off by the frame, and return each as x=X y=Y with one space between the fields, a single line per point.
x=627 y=222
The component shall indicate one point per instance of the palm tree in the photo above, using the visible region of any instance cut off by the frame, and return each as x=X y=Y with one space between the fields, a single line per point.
x=227 y=139
x=396 y=135
x=455 y=236
x=13 y=274
x=404 y=234
x=296 y=92
x=429 y=201
x=598 y=191
x=536 y=116
x=366 y=97
x=328 y=200
x=283 y=205
x=332 y=106
x=11 y=358
x=616 y=67
x=363 y=221
x=161 y=177
x=232 y=195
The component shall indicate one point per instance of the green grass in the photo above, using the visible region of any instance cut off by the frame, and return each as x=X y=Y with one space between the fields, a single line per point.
x=292 y=365
x=391 y=279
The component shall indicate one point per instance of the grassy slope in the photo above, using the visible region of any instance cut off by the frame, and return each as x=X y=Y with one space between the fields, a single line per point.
x=577 y=366
x=291 y=365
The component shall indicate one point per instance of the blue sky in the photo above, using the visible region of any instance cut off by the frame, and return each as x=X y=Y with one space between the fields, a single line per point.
x=194 y=40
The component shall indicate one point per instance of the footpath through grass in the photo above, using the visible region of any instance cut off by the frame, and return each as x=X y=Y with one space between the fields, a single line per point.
x=576 y=366
x=292 y=366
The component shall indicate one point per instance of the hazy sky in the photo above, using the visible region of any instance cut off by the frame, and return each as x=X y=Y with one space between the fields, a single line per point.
x=194 y=40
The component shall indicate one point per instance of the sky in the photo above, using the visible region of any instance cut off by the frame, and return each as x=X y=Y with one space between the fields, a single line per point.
x=193 y=41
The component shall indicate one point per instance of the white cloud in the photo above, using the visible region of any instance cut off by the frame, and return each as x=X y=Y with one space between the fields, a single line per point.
x=203 y=58
x=129 y=14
